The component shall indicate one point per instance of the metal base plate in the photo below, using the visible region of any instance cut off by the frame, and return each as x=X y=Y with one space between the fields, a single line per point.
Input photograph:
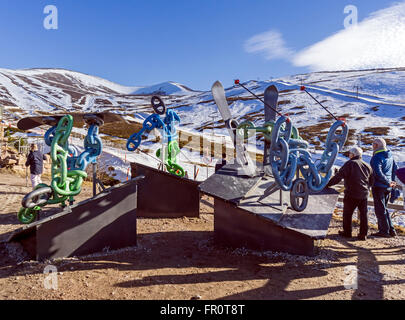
x=239 y=228
x=226 y=184
x=107 y=221
x=271 y=207
x=244 y=218
x=163 y=195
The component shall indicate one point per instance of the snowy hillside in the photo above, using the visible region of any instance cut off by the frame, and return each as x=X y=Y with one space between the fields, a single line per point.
x=376 y=109
x=42 y=91
x=372 y=101
x=387 y=85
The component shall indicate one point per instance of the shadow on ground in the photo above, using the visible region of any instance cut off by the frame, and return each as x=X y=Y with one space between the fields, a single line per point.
x=196 y=249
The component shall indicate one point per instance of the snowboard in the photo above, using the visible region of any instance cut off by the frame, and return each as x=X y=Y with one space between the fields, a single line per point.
x=79 y=119
x=218 y=92
x=270 y=101
x=242 y=156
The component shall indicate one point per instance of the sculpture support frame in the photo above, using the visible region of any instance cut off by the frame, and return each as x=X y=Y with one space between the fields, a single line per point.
x=243 y=219
x=104 y=222
x=163 y=195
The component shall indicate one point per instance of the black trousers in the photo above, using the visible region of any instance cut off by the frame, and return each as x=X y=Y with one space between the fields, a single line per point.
x=381 y=198
x=349 y=205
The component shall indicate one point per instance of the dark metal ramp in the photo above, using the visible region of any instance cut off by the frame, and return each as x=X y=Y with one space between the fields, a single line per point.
x=243 y=219
x=106 y=221
x=163 y=195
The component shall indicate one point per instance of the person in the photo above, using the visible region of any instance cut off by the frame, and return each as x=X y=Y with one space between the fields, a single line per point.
x=35 y=162
x=358 y=178
x=384 y=168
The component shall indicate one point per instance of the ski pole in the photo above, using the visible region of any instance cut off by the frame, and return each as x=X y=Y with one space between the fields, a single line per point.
x=257 y=97
x=305 y=89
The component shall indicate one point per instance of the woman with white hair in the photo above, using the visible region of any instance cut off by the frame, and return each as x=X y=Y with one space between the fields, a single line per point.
x=384 y=168
x=358 y=178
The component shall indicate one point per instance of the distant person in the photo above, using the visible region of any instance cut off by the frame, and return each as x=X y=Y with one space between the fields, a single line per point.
x=35 y=162
x=384 y=168
x=358 y=179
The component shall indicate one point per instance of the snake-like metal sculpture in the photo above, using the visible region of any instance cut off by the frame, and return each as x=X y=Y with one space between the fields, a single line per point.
x=168 y=129
x=290 y=162
x=68 y=168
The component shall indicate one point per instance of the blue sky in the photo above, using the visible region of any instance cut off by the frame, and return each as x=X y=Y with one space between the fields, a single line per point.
x=194 y=42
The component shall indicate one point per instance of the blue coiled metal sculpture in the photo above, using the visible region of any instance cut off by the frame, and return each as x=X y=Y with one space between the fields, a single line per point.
x=286 y=161
x=93 y=147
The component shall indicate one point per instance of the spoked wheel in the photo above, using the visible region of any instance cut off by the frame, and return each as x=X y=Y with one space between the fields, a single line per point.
x=299 y=195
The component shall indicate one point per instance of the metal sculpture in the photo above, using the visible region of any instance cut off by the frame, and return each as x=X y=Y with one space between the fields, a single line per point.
x=167 y=126
x=68 y=167
x=287 y=158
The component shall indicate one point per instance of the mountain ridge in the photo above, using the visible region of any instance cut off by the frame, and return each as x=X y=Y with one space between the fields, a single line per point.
x=372 y=101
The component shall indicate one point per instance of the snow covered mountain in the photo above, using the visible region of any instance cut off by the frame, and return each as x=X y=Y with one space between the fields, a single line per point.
x=372 y=101
x=164 y=88
x=41 y=91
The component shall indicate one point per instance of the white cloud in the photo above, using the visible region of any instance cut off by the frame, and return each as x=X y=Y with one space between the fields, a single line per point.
x=376 y=42
x=271 y=44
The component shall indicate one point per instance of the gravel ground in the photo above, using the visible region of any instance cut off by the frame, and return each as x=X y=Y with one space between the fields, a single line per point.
x=178 y=259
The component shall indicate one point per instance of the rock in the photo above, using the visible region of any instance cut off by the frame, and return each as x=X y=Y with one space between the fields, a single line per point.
x=197 y=297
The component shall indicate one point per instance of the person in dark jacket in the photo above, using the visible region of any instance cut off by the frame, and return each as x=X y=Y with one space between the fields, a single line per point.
x=35 y=162
x=384 y=168
x=358 y=178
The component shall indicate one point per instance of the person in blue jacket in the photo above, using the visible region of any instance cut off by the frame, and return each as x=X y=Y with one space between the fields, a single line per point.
x=35 y=162
x=384 y=168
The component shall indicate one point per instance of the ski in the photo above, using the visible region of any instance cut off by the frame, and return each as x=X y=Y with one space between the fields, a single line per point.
x=218 y=92
x=242 y=156
x=270 y=101
x=79 y=119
